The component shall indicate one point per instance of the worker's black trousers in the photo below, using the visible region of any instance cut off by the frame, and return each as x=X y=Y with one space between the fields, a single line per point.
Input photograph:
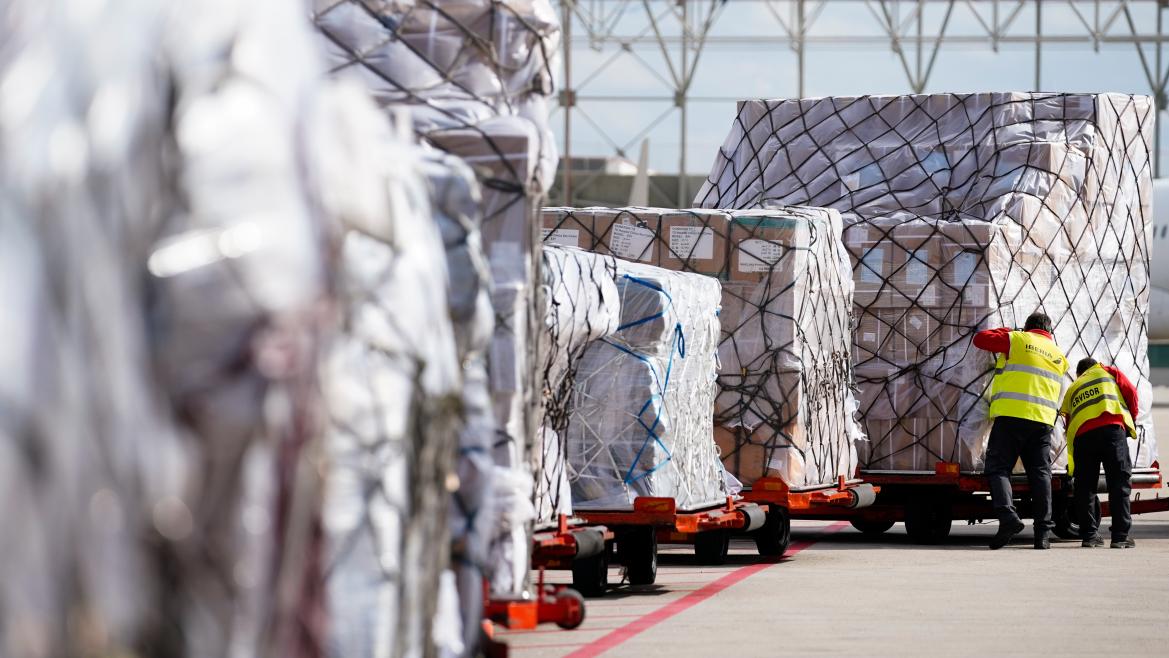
x=1107 y=445
x=1010 y=439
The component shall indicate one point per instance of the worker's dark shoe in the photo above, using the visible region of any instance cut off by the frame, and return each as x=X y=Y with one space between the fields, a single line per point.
x=1122 y=543
x=1007 y=530
x=1094 y=541
x=1042 y=543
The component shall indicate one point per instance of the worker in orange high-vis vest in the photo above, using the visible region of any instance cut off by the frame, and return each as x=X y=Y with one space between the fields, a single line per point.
x=1024 y=403
x=1099 y=408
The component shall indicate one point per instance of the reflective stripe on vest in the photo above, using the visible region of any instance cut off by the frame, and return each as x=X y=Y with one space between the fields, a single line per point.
x=1092 y=395
x=1028 y=382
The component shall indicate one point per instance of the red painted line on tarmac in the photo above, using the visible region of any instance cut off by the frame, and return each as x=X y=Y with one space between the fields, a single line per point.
x=651 y=619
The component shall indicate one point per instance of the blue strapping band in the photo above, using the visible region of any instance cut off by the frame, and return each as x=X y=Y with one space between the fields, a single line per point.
x=678 y=349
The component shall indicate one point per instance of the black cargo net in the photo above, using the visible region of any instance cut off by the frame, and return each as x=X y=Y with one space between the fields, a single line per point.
x=963 y=212
x=464 y=72
x=784 y=407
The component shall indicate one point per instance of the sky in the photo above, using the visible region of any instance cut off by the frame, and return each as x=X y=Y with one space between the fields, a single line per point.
x=731 y=69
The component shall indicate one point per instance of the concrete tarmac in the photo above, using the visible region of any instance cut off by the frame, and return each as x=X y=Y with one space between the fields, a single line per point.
x=840 y=593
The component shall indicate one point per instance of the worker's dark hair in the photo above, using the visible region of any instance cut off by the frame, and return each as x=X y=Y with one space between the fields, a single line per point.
x=1038 y=321
x=1084 y=364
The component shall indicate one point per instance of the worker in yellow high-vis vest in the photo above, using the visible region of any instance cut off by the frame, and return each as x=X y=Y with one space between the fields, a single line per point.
x=1024 y=403
x=1099 y=408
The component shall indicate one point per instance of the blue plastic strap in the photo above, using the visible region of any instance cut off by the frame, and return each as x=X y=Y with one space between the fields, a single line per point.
x=655 y=316
x=651 y=430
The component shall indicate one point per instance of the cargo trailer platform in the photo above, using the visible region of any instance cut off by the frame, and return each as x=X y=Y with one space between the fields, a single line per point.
x=929 y=503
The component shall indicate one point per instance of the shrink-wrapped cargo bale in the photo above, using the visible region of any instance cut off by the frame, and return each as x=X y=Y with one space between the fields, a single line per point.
x=476 y=77
x=785 y=406
x=583 y=306
x=642 y=405
x=963 y=212
x=455 y=204
x=392 y=392
x=395 y=433
x=162 y=277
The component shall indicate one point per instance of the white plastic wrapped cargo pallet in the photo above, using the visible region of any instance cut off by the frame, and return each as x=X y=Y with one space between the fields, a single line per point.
x=785 y=407
x=583 y=306
x=396 y=388
x=476 y=76
x=641 y=411
x=455 y=195
x=964 y=212
x=162 y=266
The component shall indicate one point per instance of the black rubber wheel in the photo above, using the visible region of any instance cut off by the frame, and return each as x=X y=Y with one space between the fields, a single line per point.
x=928 y=521
x=638 y=549
x=576 y=606
x=590 y=575
x=872 y=528
x=774 y=537
x=712 y=547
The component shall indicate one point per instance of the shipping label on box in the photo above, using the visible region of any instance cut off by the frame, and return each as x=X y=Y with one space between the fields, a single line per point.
x=873 y=266
x=562 y=237
x=631 y=242
x=917 y=270
x=568 y=228
x=758 y=256
x=693 y=242
x=763 y=247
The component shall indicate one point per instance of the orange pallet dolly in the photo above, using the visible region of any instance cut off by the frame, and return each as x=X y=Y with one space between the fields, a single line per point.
x=573 y=545
x=654 y=521
x=786 y=503
x=929 y=503
x=552 y=604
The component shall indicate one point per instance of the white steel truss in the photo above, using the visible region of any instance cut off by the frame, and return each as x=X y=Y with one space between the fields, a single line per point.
x=666 y=40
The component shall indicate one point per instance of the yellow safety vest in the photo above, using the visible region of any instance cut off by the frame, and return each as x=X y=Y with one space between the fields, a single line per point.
x=1027 y=383
x=1093 y=394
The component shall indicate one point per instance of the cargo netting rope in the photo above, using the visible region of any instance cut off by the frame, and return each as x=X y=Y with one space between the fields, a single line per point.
x=963 y=212
x=784 y=406
x=583 y=305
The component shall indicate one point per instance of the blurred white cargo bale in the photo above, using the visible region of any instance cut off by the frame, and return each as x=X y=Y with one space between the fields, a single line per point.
x=152 y=171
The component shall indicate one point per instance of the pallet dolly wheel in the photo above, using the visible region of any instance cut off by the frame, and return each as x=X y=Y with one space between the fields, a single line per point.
x=872 y=528
x=712 y=547
x=638 y=549
x=573 y=604
x=590 y=575
x=774 y=537
x=928 y=521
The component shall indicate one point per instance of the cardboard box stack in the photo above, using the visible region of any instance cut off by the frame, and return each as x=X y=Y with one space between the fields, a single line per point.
x=963 y=212
x=784 y=406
